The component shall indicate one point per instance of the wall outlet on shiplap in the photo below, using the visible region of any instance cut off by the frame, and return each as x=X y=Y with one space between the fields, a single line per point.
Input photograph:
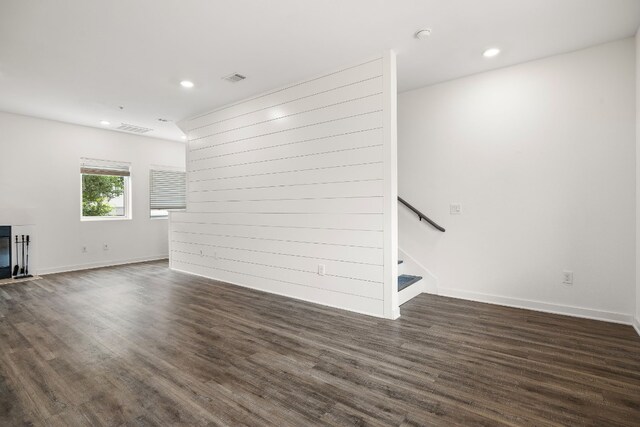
x=321 y=269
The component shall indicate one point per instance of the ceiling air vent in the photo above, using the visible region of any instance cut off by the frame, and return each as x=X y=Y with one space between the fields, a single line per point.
x=133 y=128
x=234 y=78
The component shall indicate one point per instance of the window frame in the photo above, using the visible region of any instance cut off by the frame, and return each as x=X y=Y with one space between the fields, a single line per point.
x=127 y=196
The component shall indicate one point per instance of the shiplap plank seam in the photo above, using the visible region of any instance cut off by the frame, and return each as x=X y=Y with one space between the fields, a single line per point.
x=286 y=158
x=288 y=213
x=287 y=185
x=378 y=110
x=270 y=278
x=226 y=107
x=341 y=129
x=287 y=102
x=283 y=199
x=278 y=240
x=287 y=144
x=276 y=253
x=287 y=171
x=277 y=266
x=287 y=116
x=278 y=226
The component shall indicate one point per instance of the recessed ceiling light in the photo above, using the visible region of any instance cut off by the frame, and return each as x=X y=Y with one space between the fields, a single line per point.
x=184 y=136
x=186 y=83
x=491 y=52
x=104 y=123
x=423 y=34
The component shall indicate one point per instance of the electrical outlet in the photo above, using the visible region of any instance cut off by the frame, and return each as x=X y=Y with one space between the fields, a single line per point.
x=567 y=277
x=455 y=209
x=105 y=247
x=321 y=269
x=84 y=249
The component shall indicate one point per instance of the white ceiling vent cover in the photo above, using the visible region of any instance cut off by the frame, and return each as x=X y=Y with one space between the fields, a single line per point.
x=234 y=78
x=133 y=128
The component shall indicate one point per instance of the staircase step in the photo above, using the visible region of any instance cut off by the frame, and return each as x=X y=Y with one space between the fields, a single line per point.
x=400 y=261
x=405 y=280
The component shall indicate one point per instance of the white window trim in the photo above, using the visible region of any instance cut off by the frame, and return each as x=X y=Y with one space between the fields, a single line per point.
x=128 y=205
x=104 y=218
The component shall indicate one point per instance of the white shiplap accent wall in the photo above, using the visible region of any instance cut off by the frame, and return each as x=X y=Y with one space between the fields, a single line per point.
x=297 y=177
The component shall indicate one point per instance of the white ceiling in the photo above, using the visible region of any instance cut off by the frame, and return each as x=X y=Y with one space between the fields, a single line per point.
x=79 y=60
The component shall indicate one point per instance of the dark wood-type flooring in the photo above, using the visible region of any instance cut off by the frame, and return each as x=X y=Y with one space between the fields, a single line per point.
x=141 y=345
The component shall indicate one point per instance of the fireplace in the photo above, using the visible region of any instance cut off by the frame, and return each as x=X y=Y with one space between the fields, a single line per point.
x=5 y=252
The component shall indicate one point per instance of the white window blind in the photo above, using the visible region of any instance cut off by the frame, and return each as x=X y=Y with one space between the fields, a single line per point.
x=167 y=189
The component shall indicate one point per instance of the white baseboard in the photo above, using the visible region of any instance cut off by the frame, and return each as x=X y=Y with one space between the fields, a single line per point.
x=636 y=325
x=109 y=263
x=586 y=313
x=394 y=315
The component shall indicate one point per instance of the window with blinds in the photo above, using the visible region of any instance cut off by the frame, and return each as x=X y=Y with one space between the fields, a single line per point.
x=167 y=191
x=105 y=189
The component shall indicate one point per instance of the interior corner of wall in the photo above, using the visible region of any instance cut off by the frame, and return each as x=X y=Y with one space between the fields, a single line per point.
x=636 y=324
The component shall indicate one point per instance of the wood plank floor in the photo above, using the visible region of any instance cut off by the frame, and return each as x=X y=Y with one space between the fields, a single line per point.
x=141 y=345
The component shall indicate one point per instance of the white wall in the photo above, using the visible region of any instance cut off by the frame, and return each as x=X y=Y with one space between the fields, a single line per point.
x=294 y=178
x=40 y=185
x=541 y=158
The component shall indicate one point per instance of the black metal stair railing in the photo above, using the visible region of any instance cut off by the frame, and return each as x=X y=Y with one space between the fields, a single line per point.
x=421 y=215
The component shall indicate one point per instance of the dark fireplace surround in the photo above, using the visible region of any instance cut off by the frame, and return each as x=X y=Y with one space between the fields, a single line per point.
x=5 y=252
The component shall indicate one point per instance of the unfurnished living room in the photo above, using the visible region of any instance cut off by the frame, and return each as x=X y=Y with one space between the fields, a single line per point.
x=320 y=213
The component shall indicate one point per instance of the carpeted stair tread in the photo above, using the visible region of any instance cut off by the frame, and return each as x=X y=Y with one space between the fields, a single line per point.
x=405 y=280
